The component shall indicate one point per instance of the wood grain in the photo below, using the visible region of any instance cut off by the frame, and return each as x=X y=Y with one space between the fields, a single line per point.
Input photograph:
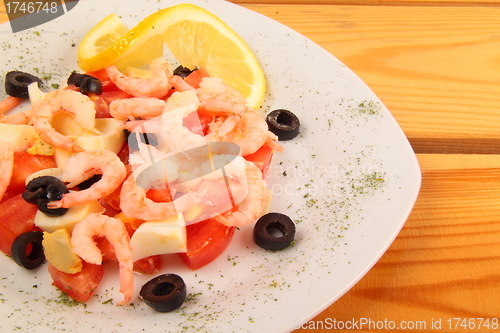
x=435 y=68
x=445 y=263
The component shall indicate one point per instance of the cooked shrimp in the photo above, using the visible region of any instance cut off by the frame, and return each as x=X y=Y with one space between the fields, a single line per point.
x=6 y=165
x=176 y=101
x=84 y=165
x=114 y=230
x=156 y=86
x=9 y=103
x=176 y=136
x=21 y=118
x=252 y=207
x=139 y=107
x=135 y=204
x=179 y=84
x=272 y=142
x=79 y=106
x=217 y=98
x=249 y=131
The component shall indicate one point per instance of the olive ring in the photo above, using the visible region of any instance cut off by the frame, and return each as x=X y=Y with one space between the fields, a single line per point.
x=284 y=123
x=283 y=225
x=19 y=248
x=164 y=293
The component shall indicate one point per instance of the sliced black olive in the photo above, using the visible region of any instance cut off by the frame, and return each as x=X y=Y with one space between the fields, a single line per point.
x=42 y=190
x=182 y=71
x=25 y=257
x=283 y=123
x=274 y=231
x=87 y=83
x=74 y=79
x=16 y=83
x=91 y=84
x=164 y=293
x=147 y=138
x=89 y=182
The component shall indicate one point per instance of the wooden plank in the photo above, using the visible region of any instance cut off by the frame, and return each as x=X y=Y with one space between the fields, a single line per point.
x=435 y=68
x=445 y=263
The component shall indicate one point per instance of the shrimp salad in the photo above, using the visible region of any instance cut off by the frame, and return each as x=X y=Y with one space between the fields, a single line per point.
x=112 y=172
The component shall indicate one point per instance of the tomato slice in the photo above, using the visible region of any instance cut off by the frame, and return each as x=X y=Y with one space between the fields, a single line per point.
x=79 y=286
x=101 y=106
x=148 y=265
x=206 y=240
x=113 y=95
x=261 y=158
x=16 y=217
x=197 y=122
x=195 y=77
x=159 y=194
x=26 y=164
x=102 y=75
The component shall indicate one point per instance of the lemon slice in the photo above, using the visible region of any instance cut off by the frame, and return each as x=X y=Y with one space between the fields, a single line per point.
x=103 y=36
x=98 y=48
x=195 y=37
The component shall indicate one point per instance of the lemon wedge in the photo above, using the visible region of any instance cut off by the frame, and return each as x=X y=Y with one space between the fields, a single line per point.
x=195 y=37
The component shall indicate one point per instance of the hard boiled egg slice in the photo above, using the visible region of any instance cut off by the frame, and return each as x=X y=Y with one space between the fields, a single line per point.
x=68 y=220
x=159 y=237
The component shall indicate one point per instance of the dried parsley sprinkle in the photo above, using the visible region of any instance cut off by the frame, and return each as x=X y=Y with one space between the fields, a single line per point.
x=369 y=107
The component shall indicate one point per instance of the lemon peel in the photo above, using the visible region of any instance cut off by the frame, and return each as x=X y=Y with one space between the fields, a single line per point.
x=195 y=37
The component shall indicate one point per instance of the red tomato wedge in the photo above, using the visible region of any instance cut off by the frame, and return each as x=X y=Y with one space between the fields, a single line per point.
x=113 y=95
x=195 y=77
x=206 y=240
x=102 y=75
x=101 y=107
x=159 y=195
x=261 y=158
x=148 y=265
x=24 y=165
x=79 y=286
x=16 y=217
x=197 y=122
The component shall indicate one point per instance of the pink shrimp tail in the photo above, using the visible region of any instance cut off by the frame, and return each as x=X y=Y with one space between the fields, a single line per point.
x=55 y=204
x=9 y=103
x=179 y=84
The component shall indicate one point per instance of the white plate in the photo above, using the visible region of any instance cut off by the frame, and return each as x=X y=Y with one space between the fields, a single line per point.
x=349 y=180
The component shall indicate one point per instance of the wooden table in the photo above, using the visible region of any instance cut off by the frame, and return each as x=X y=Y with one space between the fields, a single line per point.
x=436 y=66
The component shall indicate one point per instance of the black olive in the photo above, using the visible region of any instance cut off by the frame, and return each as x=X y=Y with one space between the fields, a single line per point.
x=91 y=84
x=164 y=293
x=147 y=138
x=19 y=250
x=283 y=123
x=42 y=190
x=16 y=83
x=86 y=83
x=274 y=231
x=182 y=71
x=89 y=182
